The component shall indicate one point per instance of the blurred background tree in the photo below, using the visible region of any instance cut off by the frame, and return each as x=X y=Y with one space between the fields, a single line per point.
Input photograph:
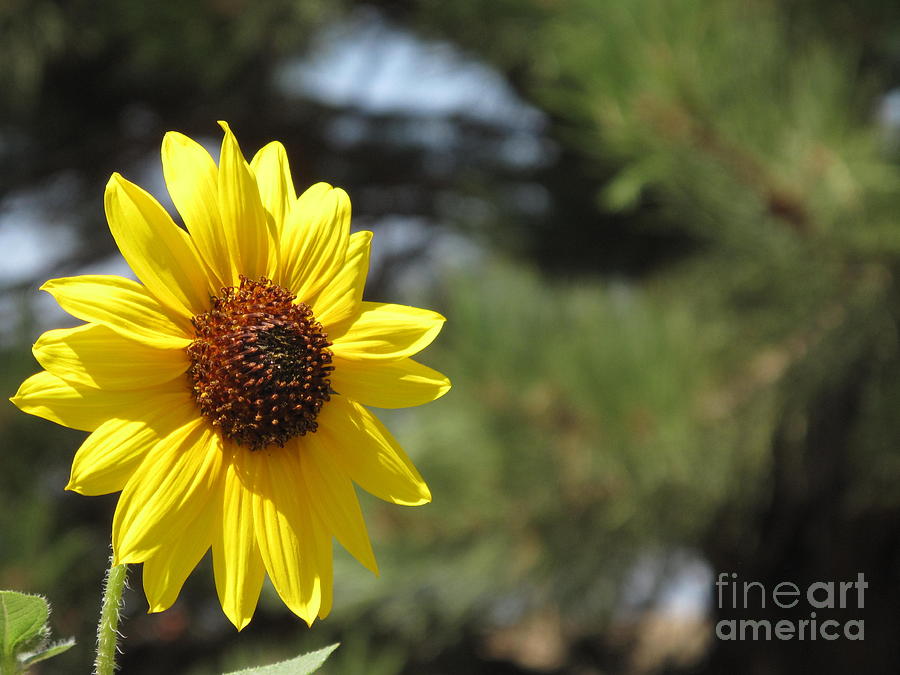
x=665 y=235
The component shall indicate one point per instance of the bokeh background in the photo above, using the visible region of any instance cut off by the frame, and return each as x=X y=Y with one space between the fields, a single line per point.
x=666 y=235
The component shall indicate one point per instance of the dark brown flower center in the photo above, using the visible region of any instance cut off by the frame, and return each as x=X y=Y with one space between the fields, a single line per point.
x=259 y=364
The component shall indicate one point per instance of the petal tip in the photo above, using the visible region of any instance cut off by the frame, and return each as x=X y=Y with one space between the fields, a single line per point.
x=173 y=140
x=424 y=497
x=341 y=196
x=18 y=400
x=239 y=622
x=444 y=388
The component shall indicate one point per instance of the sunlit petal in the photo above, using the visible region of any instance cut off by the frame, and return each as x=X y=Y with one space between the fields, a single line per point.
x=96 y=356
x=385 y=331
x=165 y=571
x=122 y=305
x=237 y=563
x=110 y=455
x=86 y=408
x=284 y=532
x=159 y=252
x=169 y=490
x=276 y=187
x=388 y=384
x=369 y=454
x=192 y=179
x=342 y=296
x=315 y=240
x=250 y=240
x=334 y=499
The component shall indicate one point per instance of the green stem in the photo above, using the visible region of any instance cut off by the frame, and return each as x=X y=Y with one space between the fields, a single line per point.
x=107 y=629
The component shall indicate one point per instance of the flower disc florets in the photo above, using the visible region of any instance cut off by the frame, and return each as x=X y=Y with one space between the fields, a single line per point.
x=259 y=364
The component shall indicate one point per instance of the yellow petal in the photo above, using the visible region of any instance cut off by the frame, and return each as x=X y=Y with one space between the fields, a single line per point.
x=385 y=331
x=314 y=243
x=388 y=384
x=276 y=188
x=237 y=563
x=159 y=252
x=251 y=244
x=168 y=491
x=96 y=356
x=165 y=572
x=284 y=531
x=80 y=407
x=192 y=178
x=123 y=305
x=334 y=500
x=316 y=549
x=110 y=455
x=341 y=297
x=369 y=454
x=294 y=232
x=324 y=567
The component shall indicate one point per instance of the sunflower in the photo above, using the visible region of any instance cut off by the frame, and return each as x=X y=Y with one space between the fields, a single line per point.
x=225 y=391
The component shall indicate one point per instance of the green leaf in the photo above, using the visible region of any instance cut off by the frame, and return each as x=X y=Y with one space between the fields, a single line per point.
x=23 y=625
x=302 y=665
x=49 y=652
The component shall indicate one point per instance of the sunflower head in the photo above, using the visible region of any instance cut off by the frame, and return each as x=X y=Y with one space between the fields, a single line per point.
x=259 y=365
x=226 y=389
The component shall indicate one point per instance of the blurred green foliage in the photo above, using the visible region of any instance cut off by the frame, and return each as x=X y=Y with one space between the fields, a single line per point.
x=730 y=391
x=166 y=47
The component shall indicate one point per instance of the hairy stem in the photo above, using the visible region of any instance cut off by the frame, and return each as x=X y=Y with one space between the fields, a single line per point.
x=107 y=629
